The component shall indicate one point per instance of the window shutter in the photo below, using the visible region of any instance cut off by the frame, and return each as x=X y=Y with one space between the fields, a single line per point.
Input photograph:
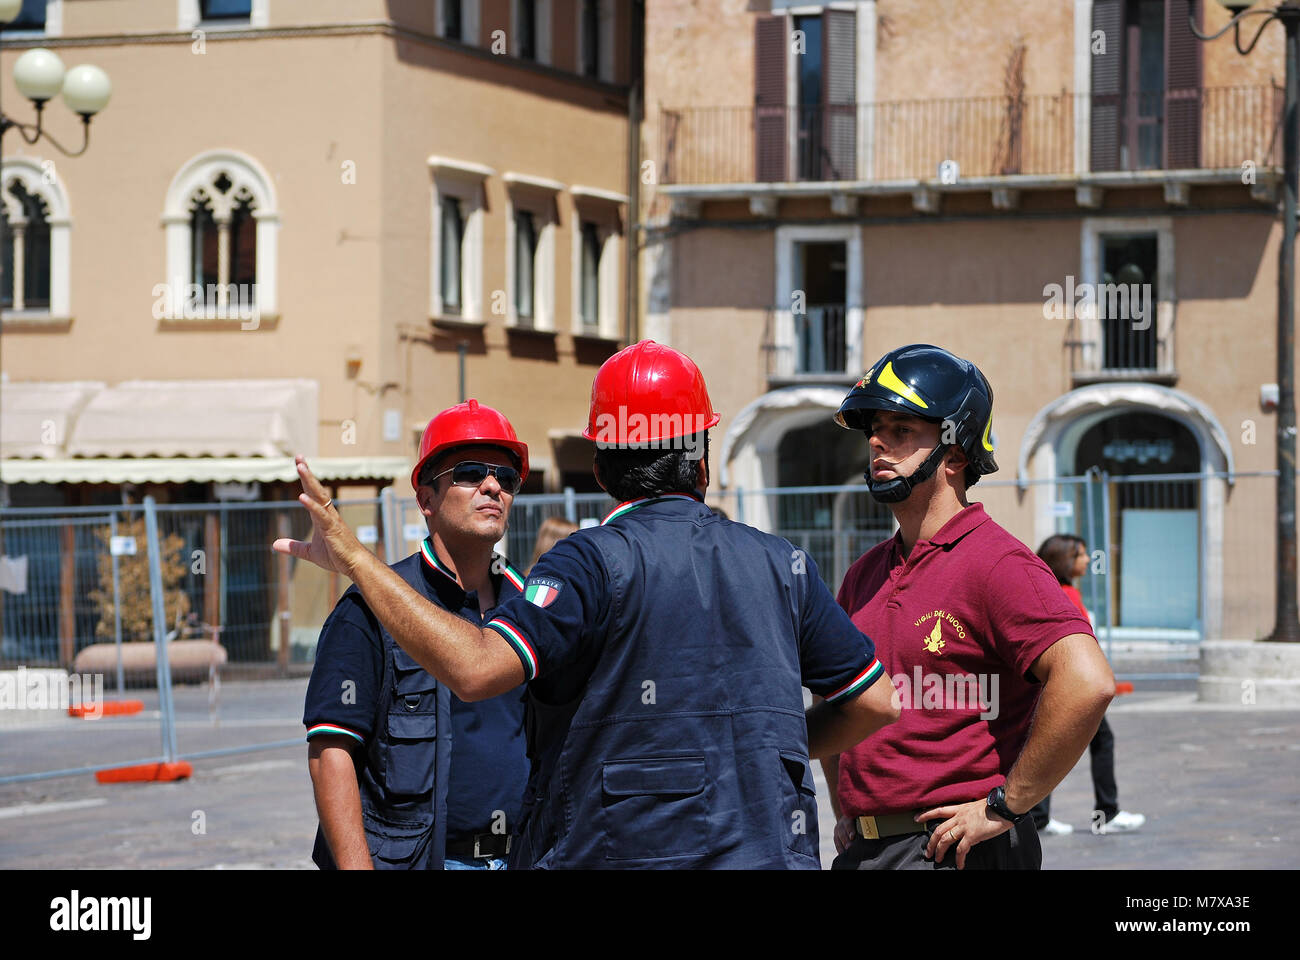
x=839 y=98
x=1182 y=86
x=1108 y=17
x=769 y=98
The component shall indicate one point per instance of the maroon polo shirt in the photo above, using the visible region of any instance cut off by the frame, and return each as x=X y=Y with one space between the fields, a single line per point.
x=956 y=626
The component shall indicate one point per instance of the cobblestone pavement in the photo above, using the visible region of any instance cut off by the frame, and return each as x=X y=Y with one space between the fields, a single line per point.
x=1218 y=787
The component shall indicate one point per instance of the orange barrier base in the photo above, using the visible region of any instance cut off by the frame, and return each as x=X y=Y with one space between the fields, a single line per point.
x=108 y=708
x=145 y=772
x=1123 y=687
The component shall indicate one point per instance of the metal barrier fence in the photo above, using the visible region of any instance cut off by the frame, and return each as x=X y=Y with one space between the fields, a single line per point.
x=1173 y=559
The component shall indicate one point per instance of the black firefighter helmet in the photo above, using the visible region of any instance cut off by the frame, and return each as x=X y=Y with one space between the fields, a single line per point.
x=931 y=383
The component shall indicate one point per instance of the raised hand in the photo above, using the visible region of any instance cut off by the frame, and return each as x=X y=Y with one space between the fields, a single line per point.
x=333 y=546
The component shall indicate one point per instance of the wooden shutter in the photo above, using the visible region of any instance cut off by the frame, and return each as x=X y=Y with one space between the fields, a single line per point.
x=1182 y=86
x=770 y=151
x=839 y=94
x=1107 y=85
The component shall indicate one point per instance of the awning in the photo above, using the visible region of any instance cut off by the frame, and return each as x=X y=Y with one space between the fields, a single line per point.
x=199 y=469
x=38 y=416
x=198 y=418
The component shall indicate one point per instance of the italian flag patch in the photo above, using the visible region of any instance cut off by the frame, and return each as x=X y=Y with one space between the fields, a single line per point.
x=542 y=591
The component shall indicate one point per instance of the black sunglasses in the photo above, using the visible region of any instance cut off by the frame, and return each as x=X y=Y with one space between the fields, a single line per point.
x=472 y=473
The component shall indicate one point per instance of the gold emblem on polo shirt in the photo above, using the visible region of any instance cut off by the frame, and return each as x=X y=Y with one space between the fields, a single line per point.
x=934 y=642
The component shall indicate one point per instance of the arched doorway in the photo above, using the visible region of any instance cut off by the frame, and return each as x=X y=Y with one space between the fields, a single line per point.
x=1153 y=525
x=835 y=528
x=787 y=438
x=1050 y=452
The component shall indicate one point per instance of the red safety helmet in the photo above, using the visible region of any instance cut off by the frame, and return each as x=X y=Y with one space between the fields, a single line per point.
x=469 y=424
x=646 y=393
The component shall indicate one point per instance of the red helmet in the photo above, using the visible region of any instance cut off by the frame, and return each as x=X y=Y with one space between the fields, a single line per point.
x=645 y=393
x=468 y=424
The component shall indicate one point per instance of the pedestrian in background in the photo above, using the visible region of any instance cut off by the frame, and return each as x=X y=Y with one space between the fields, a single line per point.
x=551 y=532
x=1067 y=555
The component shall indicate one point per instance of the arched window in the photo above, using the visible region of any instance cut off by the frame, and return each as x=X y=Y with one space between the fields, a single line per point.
x=34 y=223
x=222 y=226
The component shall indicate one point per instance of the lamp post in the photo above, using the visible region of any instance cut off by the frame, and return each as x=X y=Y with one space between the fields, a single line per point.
x=1286 y=626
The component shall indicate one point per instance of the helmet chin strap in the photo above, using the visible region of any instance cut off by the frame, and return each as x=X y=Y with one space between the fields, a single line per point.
x=900 y=488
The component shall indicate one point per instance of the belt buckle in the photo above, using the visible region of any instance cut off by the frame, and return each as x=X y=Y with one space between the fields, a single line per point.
x=478 y=838
x=867 y=827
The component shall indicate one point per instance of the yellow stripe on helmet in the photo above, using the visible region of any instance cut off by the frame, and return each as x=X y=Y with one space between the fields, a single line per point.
x=889 y=380
x=985 y=439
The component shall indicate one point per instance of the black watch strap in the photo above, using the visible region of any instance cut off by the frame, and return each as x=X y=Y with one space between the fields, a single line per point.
x=998 y=804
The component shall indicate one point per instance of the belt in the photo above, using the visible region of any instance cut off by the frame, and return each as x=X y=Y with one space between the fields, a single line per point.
x=889 y=825
x=482 y=846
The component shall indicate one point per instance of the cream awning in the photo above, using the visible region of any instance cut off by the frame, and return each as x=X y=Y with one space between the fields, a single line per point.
x=169 y=431
x=38 y=416
x=199 y=469
x=198 y=418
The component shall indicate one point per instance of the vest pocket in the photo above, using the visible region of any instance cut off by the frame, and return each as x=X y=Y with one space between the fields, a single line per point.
x=397 y=844
x=799 y=809
x=412 y=728
x=654 y=809
x=412 y=753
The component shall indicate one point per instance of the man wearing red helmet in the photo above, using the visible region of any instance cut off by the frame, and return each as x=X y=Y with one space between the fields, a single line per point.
x=664 y=652
x=406 y=774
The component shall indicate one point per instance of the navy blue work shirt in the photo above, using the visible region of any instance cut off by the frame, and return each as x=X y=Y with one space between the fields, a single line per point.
x=434 y=767
x=665 y=652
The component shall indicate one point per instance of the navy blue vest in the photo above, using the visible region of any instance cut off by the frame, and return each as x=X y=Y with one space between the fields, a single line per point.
x=404 y=772
x=683 y=743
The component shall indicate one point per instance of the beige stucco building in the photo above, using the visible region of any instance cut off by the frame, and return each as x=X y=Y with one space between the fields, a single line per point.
x=295 y=221
x=835 y=180
x=381 y=182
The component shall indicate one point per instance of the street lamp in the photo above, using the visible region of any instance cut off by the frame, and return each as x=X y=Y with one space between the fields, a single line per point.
x=40 y=76
x=1286 y=626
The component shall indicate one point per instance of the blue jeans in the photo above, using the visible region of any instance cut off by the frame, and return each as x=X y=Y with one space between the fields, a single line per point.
x=451 y=863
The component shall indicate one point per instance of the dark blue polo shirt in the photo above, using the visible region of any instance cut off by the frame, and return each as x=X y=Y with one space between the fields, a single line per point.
x=489 y=766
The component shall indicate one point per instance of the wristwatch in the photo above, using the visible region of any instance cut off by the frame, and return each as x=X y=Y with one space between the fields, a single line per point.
x=998 y=804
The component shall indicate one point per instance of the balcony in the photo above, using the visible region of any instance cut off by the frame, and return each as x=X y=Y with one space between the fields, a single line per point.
x=1047 y=140
x=1107 y=349
x=809 y=347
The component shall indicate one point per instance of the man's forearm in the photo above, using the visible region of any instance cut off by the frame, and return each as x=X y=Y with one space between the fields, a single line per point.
x=832 y=729
x=445 y=645
x=831 y=770
x=1066 y=720
x=338 y=804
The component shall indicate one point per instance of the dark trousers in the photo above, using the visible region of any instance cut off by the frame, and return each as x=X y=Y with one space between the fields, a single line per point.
x=1104 y=791
x=1017 y=849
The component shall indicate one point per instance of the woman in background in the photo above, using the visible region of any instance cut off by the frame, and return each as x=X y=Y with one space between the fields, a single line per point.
x=1067 y=555
x=551 y=532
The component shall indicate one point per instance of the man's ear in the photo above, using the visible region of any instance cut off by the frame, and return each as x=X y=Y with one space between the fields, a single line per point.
x=424 y=499
x=702 y=476
x=955 y=461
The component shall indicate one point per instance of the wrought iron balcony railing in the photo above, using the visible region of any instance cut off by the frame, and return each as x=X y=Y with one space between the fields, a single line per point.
x=1209 y=128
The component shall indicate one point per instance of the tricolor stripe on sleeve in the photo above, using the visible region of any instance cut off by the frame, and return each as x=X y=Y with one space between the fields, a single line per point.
x=522 y=647
x=513 y=577
x=857 y=684
x=333 y=728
